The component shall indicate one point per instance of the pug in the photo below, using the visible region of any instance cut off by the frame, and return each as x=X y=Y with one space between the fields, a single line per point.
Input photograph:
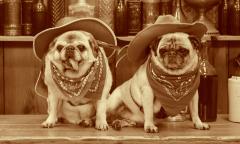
x=78 y=79
x=168 y=79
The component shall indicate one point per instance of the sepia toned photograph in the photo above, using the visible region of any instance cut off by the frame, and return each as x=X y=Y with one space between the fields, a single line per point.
x=119 y=71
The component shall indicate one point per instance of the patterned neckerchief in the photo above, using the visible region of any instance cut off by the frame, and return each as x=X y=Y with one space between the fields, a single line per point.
x=172 y=90
x=77 y=88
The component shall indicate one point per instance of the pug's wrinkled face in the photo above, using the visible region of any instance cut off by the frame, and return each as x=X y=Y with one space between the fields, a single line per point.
x=73 y=51
x=175 y=51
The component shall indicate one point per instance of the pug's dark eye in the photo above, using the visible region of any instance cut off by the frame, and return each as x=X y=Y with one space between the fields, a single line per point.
x=183 y=51
x=81 y=47
x=163 y=51
x=60 y=47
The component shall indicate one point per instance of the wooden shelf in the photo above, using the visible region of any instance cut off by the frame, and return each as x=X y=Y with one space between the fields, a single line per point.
x=226 y=38
x=213 y=38
x=16 y=38
x=123 y=38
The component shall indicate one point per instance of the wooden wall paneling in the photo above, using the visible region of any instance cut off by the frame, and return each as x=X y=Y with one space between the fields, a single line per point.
x=21 y=70
x=1 y=80
x=219 y=59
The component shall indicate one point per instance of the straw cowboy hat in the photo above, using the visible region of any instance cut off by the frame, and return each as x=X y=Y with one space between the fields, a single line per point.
x=96 y=27
x=138 y=47
x=41 y=41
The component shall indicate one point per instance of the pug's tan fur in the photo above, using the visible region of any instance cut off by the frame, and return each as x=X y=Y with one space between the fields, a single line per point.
x=137 y=92
x=74 y=61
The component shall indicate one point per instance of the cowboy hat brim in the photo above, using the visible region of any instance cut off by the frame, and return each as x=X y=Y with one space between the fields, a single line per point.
x=96 y=27
x=138 y=47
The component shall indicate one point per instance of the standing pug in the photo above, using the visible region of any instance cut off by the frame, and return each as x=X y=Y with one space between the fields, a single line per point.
x=168 y=76
x=75 y=73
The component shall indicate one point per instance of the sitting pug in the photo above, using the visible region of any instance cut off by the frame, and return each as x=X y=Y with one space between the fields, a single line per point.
x=78 y=79
x=169 y=78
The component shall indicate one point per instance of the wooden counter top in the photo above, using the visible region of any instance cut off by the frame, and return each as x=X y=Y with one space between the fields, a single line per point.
x=27 y=129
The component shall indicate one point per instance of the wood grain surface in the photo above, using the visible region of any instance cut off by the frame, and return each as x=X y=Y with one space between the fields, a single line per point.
x=27 y=129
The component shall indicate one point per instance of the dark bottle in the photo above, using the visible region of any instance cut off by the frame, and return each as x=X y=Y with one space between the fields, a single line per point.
x=1 y=15
x=120 y=18
x=234 y=18
x=223 y=10
x=134 y=16
x=26 y=17
x=165 y=7
x=207 y=89
x=39 y=16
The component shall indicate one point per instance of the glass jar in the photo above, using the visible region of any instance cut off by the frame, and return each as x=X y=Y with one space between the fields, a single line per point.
x=208 y=88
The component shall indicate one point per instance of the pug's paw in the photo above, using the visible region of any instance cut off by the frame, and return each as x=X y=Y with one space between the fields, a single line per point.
x=86 y=123
x=49 y=123
x=201 y=126
x=150 y=128
x=101 y=125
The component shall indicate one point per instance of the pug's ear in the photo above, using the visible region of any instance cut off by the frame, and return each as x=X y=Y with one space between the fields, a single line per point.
x=93 y=44
x=196 y=43
x=154 y=44
x=52 y=44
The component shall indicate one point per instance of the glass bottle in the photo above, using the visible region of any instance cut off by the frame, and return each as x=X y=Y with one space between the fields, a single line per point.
x=178 y=12
x=165 y=7
x=134 y=16
x=223 y=16
x=120 y=18
x=26 y=17
x=81 y=9
x=208 y=88
x=234 y=15
x=150 y=11
x=39 y=16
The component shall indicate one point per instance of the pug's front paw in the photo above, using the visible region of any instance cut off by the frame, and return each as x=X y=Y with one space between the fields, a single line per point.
x=150 y=128
x=201 y=126
x=87 y=123
x=49 y=123
x=101 y=125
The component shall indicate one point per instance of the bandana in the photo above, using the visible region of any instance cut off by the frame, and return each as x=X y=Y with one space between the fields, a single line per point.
x=84 y=89
x=174 y=91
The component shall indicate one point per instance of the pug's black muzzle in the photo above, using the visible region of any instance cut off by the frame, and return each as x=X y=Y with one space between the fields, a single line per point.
x=69 y=52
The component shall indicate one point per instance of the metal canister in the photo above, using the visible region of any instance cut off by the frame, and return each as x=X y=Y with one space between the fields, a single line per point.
x=12 y=17
x=150 y=11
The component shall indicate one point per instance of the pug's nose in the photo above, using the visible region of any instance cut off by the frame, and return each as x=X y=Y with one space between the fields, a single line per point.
x=69 y=52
